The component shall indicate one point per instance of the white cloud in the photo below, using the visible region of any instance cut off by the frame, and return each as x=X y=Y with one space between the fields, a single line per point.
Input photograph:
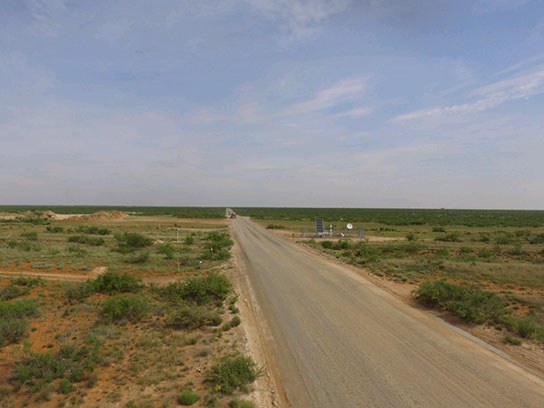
x=522 y=86
x=348 y=90
x=354 y=113
x=47 y=16
x=300 y=16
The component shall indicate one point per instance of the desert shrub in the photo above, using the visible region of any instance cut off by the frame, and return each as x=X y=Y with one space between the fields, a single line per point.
x=232 y=373
x=400 y=250
x=130 y=308
x=23 y=246
x=442 y=252
x=516 y=250
x=93 y=230
x=218 y=246
x=201 y=290
x=188 y=397
x=273 y=226
x=84 y=239
x=411 y=236
x=54 y=229
x=18 y=309
x=79 y=292
x=77 y=251
x=13 y=323
x=167 y=250
x=131 y=241
x=214 y=287
x=538 y=239
x=451 y=237
x=327 y=244
x=368 y=252
x=469 y=303
x=70 y=364
x=237 y=403
x=114 y=282
x=27 y=281
x=189 y=240
x=341 y=244
x=12 y=330
x=191 y=317
x=30 y=235
x=512 y=340
x=138 y=258
x=526 y=327
x=504 y=240
x=439 y=229
x=235 y=321
x=11 y=291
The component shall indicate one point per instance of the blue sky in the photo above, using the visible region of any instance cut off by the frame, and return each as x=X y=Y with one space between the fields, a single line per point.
x=348 y=103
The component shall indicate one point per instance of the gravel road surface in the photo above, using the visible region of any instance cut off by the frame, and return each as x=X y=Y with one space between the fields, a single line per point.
x=339 y=341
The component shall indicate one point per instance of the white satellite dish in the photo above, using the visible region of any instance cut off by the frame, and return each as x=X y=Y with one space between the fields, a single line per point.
x=349 y=226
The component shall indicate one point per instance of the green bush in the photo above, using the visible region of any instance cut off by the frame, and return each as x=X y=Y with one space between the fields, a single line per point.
x=13 y=323
x=54 y=229
x=469 y=303
x=232 y=373
x=218 y=247
x=23 y=246
x=79 y=292
x=452 y=237
x=138 y=258
x=235 y=321
x=214 y=287
x=11 y=291
x=77 y=251
x=12 y=330
x=114 y=282
x=65 y=386
x=70 y=364
x=188 y=397
x=18 y=309
x=167 y=250
x=191 y=317
x=189 y=240
x=92 y=230
x=131 y=241
x=368 y=252
x=84 y=239
x=327 y=244
x=526 y=327
x=131 y=308
x=538 y=239
x=237 y=403
x=27 y=281
x=30 y=235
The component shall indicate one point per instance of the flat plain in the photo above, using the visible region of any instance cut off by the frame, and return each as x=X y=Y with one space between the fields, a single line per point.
x=104 y=307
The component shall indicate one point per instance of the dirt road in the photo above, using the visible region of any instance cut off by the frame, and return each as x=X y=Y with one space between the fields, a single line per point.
x=339 y=341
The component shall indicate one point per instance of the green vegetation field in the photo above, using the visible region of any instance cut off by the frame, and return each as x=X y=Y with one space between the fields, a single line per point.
x=402 y=217
x=151 y=321
x=486 y=267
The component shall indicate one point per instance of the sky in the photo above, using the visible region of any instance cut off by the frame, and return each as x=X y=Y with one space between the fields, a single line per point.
x=314 y=103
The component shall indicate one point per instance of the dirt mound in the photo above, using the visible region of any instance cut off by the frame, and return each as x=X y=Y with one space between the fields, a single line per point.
x=100 y=215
